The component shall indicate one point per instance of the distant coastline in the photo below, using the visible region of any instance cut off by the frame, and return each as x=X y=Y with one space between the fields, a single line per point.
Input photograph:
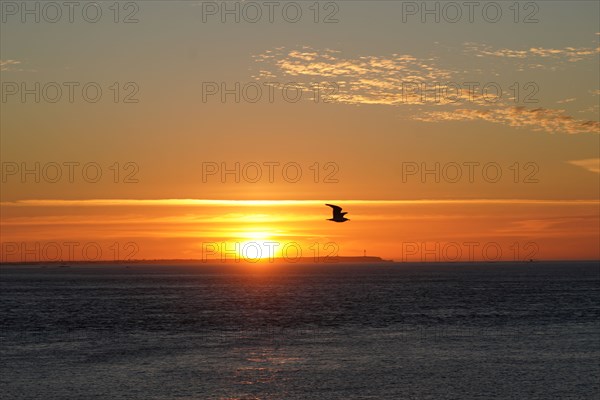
x=276 y=260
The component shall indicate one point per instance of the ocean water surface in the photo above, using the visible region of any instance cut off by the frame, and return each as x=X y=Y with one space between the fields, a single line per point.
x=325 y=331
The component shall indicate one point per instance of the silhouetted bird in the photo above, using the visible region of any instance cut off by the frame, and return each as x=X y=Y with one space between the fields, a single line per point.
x=338 y=215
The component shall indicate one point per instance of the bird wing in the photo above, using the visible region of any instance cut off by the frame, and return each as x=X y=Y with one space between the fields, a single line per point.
x=337 y=210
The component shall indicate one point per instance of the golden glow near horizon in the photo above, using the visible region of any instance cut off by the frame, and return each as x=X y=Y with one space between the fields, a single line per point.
x=444 y=141
x=414 y=230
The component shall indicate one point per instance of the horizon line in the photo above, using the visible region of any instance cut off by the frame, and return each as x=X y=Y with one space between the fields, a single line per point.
x=269 y=260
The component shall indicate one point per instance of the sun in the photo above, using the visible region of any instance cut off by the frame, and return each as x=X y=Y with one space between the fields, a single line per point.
x=257 y=246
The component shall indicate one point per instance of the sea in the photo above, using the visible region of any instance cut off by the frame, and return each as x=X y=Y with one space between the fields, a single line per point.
x=288 y=331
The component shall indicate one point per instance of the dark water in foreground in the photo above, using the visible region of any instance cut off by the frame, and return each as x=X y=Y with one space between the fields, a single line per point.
x=509 y=331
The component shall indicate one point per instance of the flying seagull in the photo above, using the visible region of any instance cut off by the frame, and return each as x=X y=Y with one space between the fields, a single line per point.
x=338 y=215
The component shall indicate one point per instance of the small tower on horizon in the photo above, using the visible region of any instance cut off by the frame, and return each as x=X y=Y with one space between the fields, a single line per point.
x=364 y=253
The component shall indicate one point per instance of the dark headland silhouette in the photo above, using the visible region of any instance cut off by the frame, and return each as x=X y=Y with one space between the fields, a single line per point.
x=188 y=261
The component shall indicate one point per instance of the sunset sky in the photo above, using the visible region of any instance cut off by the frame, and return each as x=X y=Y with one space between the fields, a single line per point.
x=386 y=101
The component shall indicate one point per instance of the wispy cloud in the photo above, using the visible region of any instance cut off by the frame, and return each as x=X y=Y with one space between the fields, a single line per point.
x=271 y=203
x=397 y=80
x=569 y=100
x=590 y=164
x=387 y=80
x=570 y=54
x=557 y=227
x=538 y=119
x=9 y=65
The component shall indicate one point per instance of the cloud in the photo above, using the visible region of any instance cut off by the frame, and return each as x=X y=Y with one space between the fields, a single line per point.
x=402 y=79
x=566 y=100
x=590 y=164
x=593 y=109
x=276 y=203
x=570 y=54
x=387 y=80
x=8 y=65
x=550 y=227
x=538 y=119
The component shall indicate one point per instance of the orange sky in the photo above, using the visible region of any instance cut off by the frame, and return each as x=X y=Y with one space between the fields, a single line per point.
x=400 y=230
x=399 y=131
